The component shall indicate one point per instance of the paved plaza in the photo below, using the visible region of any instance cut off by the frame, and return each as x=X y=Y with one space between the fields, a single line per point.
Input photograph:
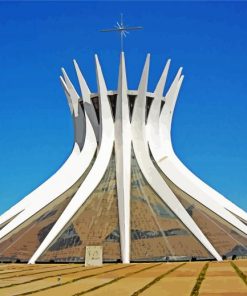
x=191 y=278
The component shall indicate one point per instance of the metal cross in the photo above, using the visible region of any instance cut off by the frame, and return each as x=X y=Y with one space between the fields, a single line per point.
x=122 y=29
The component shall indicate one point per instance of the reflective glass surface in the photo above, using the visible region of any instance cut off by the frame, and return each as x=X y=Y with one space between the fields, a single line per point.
x=226 y=239
x=95 y=224
x=156 y=233
x=25 y=239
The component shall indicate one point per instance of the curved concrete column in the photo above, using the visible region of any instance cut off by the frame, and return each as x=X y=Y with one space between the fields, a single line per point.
x=72 y=170
x=150 y=173
x=95 y=174
x=123 y=156
x=163 y=153
x=85 y=92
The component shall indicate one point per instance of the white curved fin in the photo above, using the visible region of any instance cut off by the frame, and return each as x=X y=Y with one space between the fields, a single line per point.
x=59 y=183
x=123 y=155
x=154 y=112
x=79 y=120
x=151 y=174
x=73 y=93
x=95 y=174
x=66 y=91
x=85 y=92
x=184 y=178
x=161 y=84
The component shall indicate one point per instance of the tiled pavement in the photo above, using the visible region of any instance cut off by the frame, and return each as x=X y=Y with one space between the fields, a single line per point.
x=178 y=279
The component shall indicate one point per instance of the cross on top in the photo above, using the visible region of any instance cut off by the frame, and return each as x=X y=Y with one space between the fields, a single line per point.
x=122 y=29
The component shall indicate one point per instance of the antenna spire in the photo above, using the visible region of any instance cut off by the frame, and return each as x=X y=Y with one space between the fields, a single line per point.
x=122 y=29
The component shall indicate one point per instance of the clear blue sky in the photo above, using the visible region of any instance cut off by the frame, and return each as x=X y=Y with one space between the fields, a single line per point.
x=208 y=39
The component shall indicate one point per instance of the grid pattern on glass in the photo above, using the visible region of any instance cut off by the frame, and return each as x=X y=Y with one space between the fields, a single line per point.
x=25 y=239
x=95 y=224
x=156 y=233
x=21 y=245
x=226 y=239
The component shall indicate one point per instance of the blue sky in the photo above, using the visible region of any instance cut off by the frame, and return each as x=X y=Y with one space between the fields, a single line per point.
x=209 y=39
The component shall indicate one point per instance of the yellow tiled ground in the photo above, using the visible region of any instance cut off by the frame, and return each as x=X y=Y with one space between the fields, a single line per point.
x=242 y=265
x=179 y=282
x=221 y=279
x=144 y=279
